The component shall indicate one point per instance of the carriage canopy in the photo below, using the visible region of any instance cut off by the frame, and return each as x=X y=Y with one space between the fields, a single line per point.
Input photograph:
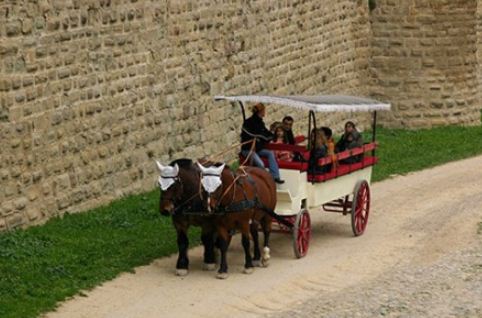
x=320 y=103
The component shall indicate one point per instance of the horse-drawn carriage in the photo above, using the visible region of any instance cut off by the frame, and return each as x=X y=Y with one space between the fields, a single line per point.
x=345 y=189
x=220 y=200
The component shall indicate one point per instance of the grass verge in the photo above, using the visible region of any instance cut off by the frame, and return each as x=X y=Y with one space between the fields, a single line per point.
x=43 y=265
x=403 y=151
x=46 y=264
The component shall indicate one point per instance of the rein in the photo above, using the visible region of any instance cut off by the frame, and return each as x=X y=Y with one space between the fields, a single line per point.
x=179 y=208
x=220 y=154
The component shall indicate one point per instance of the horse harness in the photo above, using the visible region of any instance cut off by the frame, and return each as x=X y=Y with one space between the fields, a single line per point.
x=247 y=203
x=188 y=210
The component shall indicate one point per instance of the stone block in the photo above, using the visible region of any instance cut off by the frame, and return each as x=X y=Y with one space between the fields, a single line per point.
x=10 y=189
x=78 y=195
x=13 y=28
x=20 y=203
x=33 y=214
x=63 y=202
x=27 y=26
x=15 y=221
x=53 y=24
x=32 y=193
x=7 y=208
x=5 y=84
x=62 y=182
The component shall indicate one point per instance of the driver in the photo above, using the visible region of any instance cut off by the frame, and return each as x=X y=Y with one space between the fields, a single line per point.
x=254 y=128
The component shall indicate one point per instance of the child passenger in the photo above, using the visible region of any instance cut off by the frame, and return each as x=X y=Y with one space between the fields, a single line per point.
x=318 y=151
x=279 y=138
x=330 y=144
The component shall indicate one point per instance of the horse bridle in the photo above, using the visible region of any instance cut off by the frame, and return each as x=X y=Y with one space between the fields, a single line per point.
x=176 y=180
x=225 y=192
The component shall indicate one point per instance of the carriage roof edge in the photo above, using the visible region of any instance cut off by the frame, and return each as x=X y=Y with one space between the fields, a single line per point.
x=315 y=103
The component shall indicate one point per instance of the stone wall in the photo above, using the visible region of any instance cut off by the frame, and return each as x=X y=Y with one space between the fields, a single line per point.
x=479 y=51
x=424 y=60
x=92 y=91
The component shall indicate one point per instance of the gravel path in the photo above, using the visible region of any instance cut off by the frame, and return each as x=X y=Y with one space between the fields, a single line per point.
x=419 y=257
x=450 y=287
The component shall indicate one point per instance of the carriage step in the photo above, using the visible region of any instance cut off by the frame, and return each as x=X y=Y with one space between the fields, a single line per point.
x=283 y=195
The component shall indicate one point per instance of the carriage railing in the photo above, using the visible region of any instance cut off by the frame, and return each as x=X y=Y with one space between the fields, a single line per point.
x=350 y=153
x=342 y=168
x=338 y=169
x=326 y=160
x=288 y=147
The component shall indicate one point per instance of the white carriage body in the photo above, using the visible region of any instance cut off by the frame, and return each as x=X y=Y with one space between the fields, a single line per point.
x=297 y=192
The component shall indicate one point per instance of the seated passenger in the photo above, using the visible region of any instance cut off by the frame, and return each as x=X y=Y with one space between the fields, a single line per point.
x=349 y=140
x=290 y=138
x=254 y=129
x=279 y=138
x=330 y=144
x=288 y=126
x=319 y=150
x=274 y=125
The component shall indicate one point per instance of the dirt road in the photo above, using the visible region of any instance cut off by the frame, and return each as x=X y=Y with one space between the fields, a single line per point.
x=416 y=221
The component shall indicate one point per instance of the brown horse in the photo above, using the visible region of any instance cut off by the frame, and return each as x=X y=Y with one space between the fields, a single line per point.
x=179 y=183
x=239 y=199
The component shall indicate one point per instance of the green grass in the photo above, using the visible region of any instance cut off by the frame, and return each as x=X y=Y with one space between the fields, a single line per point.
x=403 y=151
x=46 y=264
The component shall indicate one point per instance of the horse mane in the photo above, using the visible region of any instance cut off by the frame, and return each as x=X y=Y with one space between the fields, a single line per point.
x=209 y=163
x=184 y=163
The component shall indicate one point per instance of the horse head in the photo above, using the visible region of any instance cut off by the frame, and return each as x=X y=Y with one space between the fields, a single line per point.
x=211 y=181
x=171 y=187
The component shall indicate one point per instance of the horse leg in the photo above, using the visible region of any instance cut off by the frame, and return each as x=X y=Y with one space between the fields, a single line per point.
x=254 y=234
x=182 y=260
x=223 y=241
x=266 y=231
x=207 y=238
x=248 y=262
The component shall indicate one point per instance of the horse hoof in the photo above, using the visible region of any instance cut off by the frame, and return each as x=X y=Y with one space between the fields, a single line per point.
x=209 y=267
x=257 y=263
x=266 y=256
x=265 y=262
x=181 y=272
x=248 y=270
x=222 y=275
x=266 y=252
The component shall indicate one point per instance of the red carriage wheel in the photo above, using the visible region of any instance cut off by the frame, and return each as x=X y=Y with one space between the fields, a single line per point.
x=360 y=207
x=301 y=233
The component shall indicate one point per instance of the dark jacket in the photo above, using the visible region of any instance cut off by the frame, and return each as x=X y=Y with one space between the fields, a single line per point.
x=289 y=138
x=349 y=142
x=254 y=127
x=315 y=155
